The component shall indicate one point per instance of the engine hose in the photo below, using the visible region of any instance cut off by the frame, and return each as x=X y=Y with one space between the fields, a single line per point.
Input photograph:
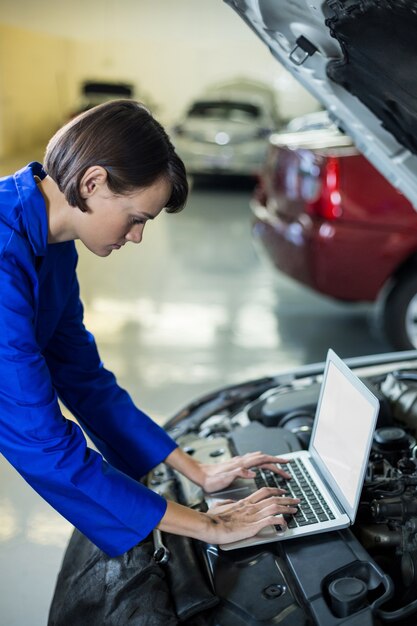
x=190 y=591
x=394 y=616
x=391 y=616
x=405 y=375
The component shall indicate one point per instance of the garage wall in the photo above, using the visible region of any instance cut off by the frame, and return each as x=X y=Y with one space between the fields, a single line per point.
x=35 y=75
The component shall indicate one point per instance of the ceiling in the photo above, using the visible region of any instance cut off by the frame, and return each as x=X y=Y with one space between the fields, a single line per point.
x=181 y=20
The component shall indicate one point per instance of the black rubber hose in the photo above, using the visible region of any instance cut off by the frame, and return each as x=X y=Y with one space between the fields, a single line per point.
x=190 y=589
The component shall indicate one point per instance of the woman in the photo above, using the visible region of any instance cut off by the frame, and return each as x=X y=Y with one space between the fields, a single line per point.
x=106 y=173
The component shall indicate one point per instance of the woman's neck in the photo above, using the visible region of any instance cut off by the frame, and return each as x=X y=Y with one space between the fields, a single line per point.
x=58 y=211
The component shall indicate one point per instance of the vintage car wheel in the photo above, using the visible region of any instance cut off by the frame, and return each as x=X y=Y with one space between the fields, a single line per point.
x=400 y=313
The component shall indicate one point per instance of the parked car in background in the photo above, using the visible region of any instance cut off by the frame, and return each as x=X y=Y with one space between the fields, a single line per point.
x=94 y=92
x=330 y=220
x=225 y=130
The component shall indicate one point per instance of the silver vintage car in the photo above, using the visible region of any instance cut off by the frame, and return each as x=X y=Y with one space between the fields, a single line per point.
x=224 y=131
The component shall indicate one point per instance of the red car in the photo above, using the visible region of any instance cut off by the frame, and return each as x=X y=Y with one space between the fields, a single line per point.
x=331 y=221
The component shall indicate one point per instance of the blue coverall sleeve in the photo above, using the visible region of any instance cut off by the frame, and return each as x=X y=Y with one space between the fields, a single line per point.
x=126 y=436
x=108 y=506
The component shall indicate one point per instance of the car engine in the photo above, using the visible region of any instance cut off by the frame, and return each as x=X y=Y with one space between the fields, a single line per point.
x=364 y=575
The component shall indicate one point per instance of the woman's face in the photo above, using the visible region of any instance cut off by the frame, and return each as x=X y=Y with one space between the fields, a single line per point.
x=113 y=220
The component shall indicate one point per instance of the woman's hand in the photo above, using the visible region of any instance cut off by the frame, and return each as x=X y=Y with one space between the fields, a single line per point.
x=230 y=521
x=233 y=521
x=217 y=476
x=285 y=504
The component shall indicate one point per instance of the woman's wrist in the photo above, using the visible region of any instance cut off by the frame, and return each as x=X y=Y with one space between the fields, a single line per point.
x=181 y=520
x=186 y=465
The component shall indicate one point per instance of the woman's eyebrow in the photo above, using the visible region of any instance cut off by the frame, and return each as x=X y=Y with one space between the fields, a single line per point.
x=147 y=215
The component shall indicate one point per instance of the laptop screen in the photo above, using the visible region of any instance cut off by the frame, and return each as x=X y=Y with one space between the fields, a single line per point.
x=344 y=426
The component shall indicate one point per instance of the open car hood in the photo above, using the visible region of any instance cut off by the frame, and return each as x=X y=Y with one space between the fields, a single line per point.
x=357 y=58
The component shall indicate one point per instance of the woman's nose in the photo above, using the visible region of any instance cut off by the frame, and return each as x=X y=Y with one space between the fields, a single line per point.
x=135 y=233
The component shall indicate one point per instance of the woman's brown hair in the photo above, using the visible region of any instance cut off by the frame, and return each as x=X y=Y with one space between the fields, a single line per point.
x=122 y=137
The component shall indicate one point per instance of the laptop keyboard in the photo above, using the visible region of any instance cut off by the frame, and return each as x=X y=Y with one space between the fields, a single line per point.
x=312 y=508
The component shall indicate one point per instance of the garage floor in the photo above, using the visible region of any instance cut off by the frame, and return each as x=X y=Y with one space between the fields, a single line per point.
x=191 y=309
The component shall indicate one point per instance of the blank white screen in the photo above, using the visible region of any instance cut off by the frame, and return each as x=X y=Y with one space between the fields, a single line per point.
x=343 y=429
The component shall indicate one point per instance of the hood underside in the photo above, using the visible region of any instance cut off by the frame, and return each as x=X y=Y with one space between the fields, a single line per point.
x=357 y=57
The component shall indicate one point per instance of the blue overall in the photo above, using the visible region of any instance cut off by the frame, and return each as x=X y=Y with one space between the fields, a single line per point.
x=45 y=354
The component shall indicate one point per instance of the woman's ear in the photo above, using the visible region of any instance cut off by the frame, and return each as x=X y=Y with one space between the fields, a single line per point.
x=93 y=178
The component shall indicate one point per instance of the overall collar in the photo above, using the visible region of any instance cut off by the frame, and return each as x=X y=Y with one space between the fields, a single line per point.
x=35 y=221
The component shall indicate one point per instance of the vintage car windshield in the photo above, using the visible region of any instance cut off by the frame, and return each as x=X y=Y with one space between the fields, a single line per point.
x=233 y=111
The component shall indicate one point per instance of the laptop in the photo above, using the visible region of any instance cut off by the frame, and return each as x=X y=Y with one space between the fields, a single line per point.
x=328 y=477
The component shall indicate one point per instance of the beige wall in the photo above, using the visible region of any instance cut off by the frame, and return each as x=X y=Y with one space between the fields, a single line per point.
x=35 y=78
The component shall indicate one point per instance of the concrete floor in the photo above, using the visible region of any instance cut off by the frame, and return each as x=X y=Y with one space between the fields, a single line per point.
x=191 y=309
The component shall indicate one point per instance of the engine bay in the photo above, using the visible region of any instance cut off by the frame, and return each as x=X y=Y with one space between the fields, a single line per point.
x=366 y=574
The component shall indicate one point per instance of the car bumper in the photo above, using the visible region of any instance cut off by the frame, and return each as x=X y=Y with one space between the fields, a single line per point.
x=243 y=159
x=332 y=258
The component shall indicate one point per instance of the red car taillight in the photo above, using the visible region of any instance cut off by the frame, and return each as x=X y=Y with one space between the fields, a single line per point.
x=259 y=192
x=328 y=204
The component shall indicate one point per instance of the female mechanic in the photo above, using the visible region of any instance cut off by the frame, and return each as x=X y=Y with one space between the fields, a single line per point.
x=105 y=174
